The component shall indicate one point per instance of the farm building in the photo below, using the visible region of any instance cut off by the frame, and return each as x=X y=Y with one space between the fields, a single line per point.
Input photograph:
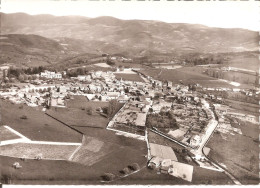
x=159 y=153
x=181 y=170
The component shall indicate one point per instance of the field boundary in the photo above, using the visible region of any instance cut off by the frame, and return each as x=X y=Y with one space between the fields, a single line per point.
x=17 y=133
x=64 y=124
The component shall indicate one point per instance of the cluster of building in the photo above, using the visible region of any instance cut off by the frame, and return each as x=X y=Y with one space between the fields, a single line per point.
x=163 y=158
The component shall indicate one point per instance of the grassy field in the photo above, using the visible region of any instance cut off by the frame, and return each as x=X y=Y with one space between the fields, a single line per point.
x=77 y=113
x=157 y=139
x=5 y=134
x=78 y=118
x=205 y=176
x=248 y=129
x=37 y=126
x=114 y=154
x=57 y=152
x=249 y=107
x=250 y=62
x=150 y=177
x=200 y=176
x=129 y=77
x=92 y=151
x=189 y=75
x=239 y=153
x=79 y=101
x=184 y=74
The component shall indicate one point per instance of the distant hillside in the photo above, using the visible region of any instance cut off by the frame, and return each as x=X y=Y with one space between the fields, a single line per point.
x=139 y=34
x=29 y=50
x=133 y=38
x=33 y=50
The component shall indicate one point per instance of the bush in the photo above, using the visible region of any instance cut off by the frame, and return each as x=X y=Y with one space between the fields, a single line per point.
x=23 y=117
x=108 y=177
x=125 y=171
x=151 y=166
x=89 y=110
x=134 y=167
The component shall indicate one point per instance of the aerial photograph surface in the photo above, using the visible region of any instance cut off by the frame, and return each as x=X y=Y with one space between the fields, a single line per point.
x=129 y=93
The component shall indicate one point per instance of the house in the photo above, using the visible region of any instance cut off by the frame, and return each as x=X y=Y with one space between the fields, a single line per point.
x=195 y=140
x=51 y=75
x=123 y=98
x=169 y=83
x=162 y=152
x=181 y=170
x=84 y=77
x=140 y=120
x=112 y=95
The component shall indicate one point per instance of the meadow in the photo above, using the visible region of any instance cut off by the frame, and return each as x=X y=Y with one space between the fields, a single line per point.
x=35 y=125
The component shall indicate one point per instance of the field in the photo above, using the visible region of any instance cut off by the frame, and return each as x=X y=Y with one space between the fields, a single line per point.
x=205 y=176
x=157 y=139
x=150 y=177
x=246 y=61
x=189 y=75
x=103 y=151
x=5 y=134
x=239 y=153
x=77 y=113
x=37 y=126
x=78 y=118
x=200 y=176
x=129 y=77
x=248 y=107
x=79 y=101
x=106 y=152
x=26 y=150
x=248 y=129
x=183 y=74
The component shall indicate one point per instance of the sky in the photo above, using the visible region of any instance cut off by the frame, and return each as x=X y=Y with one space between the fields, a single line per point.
x=225 y=14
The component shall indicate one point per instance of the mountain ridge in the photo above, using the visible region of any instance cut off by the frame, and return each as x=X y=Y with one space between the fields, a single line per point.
x=133 y=38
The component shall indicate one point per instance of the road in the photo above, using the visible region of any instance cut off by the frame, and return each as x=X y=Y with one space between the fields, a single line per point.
x=199 y=154
x=210 y=130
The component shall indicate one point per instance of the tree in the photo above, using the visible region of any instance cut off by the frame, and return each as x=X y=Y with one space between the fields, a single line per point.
x=23 y=117
x=125 y=171
x=34 y=77
x=21 y=78
x=89 y=110
x=112 y=107
x=134 y=167
x=25 y=77
x=108 y=177
x=171 y=114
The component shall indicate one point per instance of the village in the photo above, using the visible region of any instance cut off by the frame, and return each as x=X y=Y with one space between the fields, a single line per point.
x=174 y=111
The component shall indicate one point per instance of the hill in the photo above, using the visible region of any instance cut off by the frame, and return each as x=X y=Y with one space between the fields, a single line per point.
x=154 y=40
x=139 y=34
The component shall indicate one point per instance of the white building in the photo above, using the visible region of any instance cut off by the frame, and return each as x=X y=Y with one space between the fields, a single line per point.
x=51 y=75
x=84 y=77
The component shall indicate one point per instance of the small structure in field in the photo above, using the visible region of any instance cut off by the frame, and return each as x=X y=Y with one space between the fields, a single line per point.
x=16 y=165
x=38 y=157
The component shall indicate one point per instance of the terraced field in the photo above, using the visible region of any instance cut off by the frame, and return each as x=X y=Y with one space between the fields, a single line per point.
x=28 y=150
x=92 y=151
